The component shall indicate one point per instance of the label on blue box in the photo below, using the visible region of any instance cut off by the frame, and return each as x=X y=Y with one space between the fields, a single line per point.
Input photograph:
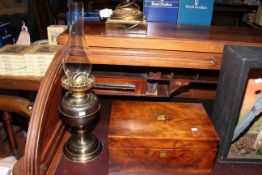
x=161 y=10
x=5 y=34
x=195 y=12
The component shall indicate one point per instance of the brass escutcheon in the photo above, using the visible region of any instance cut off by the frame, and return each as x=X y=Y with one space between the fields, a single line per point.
x=163 y=155
x=161 y=117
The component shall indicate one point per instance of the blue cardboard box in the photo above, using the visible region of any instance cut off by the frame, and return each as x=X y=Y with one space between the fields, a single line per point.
x=6 y=36
x=161 y=10
x=195 y=12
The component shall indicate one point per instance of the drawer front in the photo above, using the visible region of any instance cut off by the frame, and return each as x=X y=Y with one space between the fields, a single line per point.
x=156 y=58
x=157 y=160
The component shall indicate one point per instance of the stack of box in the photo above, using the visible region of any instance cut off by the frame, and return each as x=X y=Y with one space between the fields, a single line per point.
x=19 y=60
x=53 y=31
x=12 y=60
x=37 y=60
x=192 y=12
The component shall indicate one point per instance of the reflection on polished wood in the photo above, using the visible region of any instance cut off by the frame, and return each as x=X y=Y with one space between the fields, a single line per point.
x=20 y=82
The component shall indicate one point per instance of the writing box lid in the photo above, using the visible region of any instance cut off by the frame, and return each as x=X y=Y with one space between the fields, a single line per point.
x=160 y=125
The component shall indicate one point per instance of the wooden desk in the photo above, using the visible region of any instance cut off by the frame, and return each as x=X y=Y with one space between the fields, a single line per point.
x=179 y=49
x=164 y=47
x=163 y=43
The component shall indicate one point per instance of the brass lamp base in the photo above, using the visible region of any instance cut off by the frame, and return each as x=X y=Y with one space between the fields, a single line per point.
x=82 y=147
x=80 y=110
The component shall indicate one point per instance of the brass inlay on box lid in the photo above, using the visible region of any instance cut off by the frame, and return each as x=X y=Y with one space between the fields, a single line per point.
x=161 y=117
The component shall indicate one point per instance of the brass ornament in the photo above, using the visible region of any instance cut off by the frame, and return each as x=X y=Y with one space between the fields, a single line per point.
x=127 y=18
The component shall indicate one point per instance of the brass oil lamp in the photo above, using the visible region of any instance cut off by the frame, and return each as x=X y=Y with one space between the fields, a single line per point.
x=79 y=106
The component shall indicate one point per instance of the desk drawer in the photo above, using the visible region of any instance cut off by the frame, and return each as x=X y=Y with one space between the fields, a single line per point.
x=156 y=58
x=161 y=160
x=119 y=86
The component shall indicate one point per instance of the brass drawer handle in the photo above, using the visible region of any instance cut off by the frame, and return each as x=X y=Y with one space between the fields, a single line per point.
x=163 y=155
x=161 y=117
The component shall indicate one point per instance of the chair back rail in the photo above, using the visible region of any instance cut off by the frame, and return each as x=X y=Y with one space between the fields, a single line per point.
x=15 y=104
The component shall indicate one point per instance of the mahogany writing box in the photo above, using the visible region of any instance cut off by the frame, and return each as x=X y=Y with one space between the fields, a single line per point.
x=161 y=137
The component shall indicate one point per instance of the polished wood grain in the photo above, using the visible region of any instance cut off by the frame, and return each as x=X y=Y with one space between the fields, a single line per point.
x=168 y=46
x=165 y=45
x=20 y=82
x=152 y=58
x=138 y=137
x=46 y=129
x=16 y=104
x=168 y=36
x=148 y=160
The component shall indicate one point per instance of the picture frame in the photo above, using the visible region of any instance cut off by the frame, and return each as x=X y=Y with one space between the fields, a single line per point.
x=237 y=63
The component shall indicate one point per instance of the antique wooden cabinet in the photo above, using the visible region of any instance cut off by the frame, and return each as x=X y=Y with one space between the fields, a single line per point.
x=161 y=137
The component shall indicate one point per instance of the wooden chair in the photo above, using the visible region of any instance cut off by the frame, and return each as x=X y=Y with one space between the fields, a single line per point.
x=13 y=104
x=46 y=132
